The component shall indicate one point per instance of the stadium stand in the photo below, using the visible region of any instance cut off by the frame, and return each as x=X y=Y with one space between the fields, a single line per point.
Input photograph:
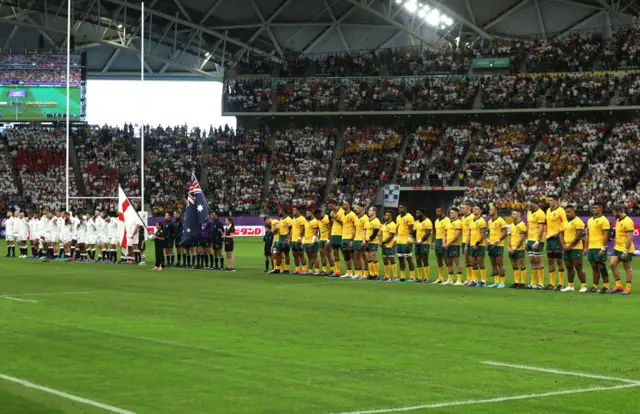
x=247 y=95
x=39 y=75
x=308 y=95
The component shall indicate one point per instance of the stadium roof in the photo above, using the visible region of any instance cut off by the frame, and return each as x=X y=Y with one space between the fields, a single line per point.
x=190 y=38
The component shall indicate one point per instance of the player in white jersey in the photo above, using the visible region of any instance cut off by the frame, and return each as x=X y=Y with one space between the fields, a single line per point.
x=82 y=237
x=34 y=233
x=101 y=235
x=66 y=232
x=112 y=233
x=132 y=242
x=74 y=235
x=9 y=234
x=91 y=237
x=21 y=228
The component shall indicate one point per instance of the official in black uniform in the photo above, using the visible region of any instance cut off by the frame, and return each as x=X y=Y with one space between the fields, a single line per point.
x=142 y=237
x=268 y=247
x=179 y=228
x=217 y=241
x=160 y=243
x=168 y=228
x=229 y=234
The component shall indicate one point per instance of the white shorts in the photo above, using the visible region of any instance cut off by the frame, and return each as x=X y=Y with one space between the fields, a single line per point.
x=52 y=237
x=113 y=241
x=132 y=243
x=104 y=239
x=91 y=239
x=10 y=237
x=65 y=238
x=23 y=237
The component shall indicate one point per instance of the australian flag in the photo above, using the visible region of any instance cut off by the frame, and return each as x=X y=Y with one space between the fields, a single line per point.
x=196 y=212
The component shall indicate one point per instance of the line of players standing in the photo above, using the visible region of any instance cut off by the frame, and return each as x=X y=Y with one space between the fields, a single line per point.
x=200 y=251
x=61 y=236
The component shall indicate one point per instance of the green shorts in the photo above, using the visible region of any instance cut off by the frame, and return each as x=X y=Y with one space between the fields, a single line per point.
x=575 y=254
x=282 y=245
x=532 y=251
x=618 y=254
x=593 y=256
x=479 y=251
x=517 y=254
x=388 y=252
x=372 y=247
x=453 y=251
x=422 y=249
x=553 y=244
x=323 y=244
x=297 y=247
x=438 y=246
x=311 y=247
x=496 y=251
x=346 y=244
x=404 y=250
x=336 y=242
x=357 y=245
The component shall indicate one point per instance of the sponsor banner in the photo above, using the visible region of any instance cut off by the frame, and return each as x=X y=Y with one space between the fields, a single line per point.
x=245 y=231
x=484 y=63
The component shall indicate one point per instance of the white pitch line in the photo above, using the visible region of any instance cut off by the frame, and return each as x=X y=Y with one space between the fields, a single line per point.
x=555 y=371
x=58 y=293
x=494 y=400
x=65 y=395
x=17 y=299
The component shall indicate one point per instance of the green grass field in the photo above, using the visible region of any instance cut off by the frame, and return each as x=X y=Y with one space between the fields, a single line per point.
x=40 y=94
x=184 y=341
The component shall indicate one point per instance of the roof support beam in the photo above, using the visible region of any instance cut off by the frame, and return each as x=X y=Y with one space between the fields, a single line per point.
x=581 y=23
x=112 y=59
x=543 y=29
x=10 y=38
x=457 y=16
x=267 y=28
x=264 y=26
x=624 y=17
x=339 y=30
x=182 y=10
x=470 y=11
x=390 y=39
x=177 y=55
x=326 y=31
x=210 y=11
x=577 y=3
x=505 y=14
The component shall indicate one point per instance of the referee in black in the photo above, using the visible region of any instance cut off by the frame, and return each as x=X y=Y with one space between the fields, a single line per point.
x=178 y=228
x=160 y=243
x=217 y=240
x=168 y=228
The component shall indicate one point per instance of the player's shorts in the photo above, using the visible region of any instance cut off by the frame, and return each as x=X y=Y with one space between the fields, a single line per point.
x=388 y=252
x=422 y=249
x=480 y=251
x=91 y=239
x=323 y=244
x=618 y=254
x=297 y=247
x=402 y=250
x=553 y=244
x=496 y=251
x=53 y=237
x=438 y=246
x=65 y=238
x=179 y=244
x=142 y=245
x=372 y=248
x=228 y=246
x=532 y=251
x=575 y=254
x=336 y=242
x=593 y=256
x=311 y=247
x=345 y=244
x=357 y=245
x=204 y=242
x=168 y=244
x=517 y=254
x=216 y=245
x=282 y=245
x=268 y=252
x=113 y=241
x=453 y=251
x=131 y=243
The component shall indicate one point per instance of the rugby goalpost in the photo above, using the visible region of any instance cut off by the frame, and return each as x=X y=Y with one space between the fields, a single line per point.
x=68 y=77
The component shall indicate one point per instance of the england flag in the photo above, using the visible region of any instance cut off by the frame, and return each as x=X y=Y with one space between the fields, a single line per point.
x=128 y=218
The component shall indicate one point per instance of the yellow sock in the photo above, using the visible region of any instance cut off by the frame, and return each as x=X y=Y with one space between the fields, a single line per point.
x=394 y=268
x=419 y=272
x=297 y=269
x=474 y=274
x=570 y=284
x=502 y=279
x=287 y=267
x=516 y=275
x=370 y=268
x=425 y=271
x=618 y=283
x=596 y=285
x=469 y=273
x=365 y=272
x=583 y=284
x=450 y=277
x=552 y=278
x=304 y=269
x=496 y=279
x=483 y=274
x=628 y=285
x=605 y=285
x=324 y=269
x=440 y=272
x=460 y=277
x=336 y=267
x=541 y=277
x=561 y=277
x=412 y=274
x=358 y=272
x=387 y=271
x=377 y=268
x=534 y=277
x=402 y=274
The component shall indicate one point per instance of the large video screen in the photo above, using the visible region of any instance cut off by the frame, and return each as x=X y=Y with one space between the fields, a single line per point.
x=39 y=102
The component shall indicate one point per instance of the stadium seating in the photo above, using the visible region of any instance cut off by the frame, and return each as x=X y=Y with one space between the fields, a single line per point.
x=37 y=60
x=575 y=53
x=308 y=95
x=417 y=162
x=301 y=163
x=40 y=75
x=8 y=190
x=247 y=95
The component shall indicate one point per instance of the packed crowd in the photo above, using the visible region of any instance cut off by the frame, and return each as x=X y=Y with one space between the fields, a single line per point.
x=619 y=158
x=38 y=60
x=415 y=169
x=8 y=190
x=574 y=53
x=237 y=163
x=172 y=154
x=40 y=75
x=39 y=156
x=301 y=163
x=368 y=159
x=247 y=95
x=308 y=95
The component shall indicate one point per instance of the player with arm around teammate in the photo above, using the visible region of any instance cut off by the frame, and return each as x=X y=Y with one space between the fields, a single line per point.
x=311 y=237
x=326 y=258
x=571 y=242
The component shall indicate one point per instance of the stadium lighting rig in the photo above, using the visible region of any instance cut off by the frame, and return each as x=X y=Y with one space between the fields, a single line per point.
x=432 y=16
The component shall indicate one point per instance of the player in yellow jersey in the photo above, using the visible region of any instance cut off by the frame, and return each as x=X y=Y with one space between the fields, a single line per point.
x=336 y=213
x=495 y=247
x=388 y=247
x=275 y=229
x=284 y=240
x=348 y=227
x=556 y=217
x=467 y=219
x=571 y=242
x=423 y=228
x=596 y=241
x=324 y=223
x=517 y=236
x=437 y=240
x=451 y=246
x=477 y=245
x=297 y=234
x=310 y=239
x=371 y=243
x=404 y=243
x=358 y=239
x=536 y=220
x=623 y=249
